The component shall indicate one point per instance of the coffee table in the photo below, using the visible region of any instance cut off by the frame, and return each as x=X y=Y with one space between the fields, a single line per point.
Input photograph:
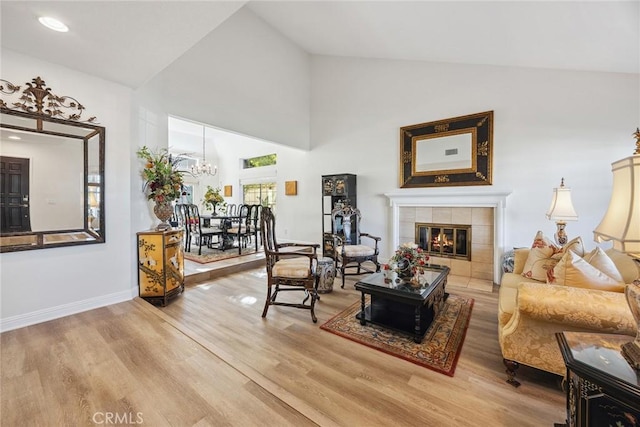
x=402 y=307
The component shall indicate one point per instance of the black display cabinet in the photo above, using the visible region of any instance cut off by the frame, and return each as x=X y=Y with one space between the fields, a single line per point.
x=336 y=189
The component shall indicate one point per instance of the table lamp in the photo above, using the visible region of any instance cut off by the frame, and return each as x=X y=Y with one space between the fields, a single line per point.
x=621 y=225
x=561 y=211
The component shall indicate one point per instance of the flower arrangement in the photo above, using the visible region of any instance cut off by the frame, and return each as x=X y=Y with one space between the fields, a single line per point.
x=213 y=198
x=163 y=181
x=408 y=260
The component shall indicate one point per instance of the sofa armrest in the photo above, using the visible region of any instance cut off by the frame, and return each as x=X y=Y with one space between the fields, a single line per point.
x=590 y=309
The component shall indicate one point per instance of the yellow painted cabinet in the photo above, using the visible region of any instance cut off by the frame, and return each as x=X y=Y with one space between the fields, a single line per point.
x=160 y=265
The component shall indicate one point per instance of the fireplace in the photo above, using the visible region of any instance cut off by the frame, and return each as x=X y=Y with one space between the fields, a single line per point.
x=484 y=209
x=444 y=240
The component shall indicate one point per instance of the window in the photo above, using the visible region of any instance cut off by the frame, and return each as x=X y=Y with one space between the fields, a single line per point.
x=259 y=194
x=256 y=162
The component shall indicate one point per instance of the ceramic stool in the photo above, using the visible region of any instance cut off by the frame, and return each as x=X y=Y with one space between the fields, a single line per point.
x=326 y=272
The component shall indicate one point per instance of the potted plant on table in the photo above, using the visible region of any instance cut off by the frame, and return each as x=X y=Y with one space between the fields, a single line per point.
x=213 y=199
x=163 y=182
x=408 y=260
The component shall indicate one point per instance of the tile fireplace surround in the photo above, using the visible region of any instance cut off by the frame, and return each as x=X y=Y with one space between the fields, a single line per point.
x=484 y=210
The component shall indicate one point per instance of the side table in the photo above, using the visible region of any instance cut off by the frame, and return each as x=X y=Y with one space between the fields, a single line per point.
x=160 y=265
x=602 y=388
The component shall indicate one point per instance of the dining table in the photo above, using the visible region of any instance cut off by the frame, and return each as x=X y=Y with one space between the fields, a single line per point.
x=225 y=240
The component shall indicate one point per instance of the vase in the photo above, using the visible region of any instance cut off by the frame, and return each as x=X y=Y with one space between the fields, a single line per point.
x=406 y=275
x=164 y=211
x=631 y=350
x=405 y=270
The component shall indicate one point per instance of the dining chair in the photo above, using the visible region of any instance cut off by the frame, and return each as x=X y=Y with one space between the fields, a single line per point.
x=181 y=222
x=241 y=228
x=203 y=235
x=231 y=209
x=290 y=267
x=254 y=214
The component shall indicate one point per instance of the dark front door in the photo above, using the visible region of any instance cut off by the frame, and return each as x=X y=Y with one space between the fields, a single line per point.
x=14 y=195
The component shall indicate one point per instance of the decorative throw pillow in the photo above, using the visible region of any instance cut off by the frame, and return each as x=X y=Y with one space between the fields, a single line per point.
x=575 y=245
x=600 y=260
x=575 y=271
x=539 y=262
x=544 y=255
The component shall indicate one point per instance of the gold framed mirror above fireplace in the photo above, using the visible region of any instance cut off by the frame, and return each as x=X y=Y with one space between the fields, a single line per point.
x=449 y=152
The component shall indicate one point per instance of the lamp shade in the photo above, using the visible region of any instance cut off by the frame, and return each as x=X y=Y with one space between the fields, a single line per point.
x=621 y=223
x=561 y=208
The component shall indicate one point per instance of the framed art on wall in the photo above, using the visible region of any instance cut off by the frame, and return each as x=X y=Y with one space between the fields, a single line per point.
x=450 y=152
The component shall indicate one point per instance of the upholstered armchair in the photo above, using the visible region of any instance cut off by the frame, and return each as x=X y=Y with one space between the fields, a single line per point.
x=350 y=251
x=531 y=311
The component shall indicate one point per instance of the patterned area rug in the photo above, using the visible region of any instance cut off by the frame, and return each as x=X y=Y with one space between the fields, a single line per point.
x=439 y=349
x=212 y=255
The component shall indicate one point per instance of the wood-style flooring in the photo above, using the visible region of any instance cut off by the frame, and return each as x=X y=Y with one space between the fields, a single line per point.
x=209 y=359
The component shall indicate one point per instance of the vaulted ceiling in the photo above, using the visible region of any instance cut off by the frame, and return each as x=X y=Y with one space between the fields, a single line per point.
x=130 y=42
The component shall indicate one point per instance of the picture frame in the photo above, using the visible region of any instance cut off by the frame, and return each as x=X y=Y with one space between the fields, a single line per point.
x=451 y=152
x=291 y=188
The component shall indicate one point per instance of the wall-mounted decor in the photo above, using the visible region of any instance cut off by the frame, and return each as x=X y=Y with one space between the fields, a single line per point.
x=52 y=156
x=291 y=188
x=450 y=152
x=228 y=191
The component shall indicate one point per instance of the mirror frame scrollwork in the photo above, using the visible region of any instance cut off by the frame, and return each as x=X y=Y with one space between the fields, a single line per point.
x=478 y=131
x=37 y=110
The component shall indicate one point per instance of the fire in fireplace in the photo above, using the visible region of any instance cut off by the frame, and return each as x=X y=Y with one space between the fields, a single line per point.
x=445 y=240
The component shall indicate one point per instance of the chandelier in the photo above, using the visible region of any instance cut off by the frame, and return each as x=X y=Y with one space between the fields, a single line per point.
x=203 y=168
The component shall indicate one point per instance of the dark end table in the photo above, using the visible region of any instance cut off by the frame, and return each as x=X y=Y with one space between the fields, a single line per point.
x=602 y=388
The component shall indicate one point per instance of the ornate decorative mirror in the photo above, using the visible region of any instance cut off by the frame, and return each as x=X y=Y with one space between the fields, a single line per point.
x=52 y=170
x=449 y=152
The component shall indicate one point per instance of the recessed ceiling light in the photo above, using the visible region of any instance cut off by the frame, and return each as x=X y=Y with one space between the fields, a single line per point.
x=53 y=24
x=14 y=137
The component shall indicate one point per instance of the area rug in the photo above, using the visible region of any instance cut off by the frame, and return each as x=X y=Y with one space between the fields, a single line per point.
x=440 y=348
x=212 y=255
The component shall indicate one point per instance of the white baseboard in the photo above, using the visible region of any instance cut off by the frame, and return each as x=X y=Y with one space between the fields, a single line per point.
x=52 y=313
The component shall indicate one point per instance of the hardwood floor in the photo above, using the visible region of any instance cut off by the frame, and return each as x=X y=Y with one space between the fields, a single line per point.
x=208 y=358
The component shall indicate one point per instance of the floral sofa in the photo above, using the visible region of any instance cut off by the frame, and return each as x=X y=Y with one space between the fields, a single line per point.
x=553 y=289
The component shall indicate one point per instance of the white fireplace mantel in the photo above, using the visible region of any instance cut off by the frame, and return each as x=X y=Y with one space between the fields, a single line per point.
x=454 y=197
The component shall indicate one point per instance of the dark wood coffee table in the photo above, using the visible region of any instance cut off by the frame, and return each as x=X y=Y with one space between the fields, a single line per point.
x=403 y=307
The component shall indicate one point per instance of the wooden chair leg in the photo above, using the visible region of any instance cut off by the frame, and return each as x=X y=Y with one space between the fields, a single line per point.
x=314 y=297
x=511 y=366
x=267 y=302
x=313 y=304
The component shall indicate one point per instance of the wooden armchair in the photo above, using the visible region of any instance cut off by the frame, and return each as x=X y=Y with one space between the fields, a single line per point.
x=349 y=252
x=288 y=270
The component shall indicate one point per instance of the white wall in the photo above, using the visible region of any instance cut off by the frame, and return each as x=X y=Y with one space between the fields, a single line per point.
x=547 y=125
x=292 y=164
x=44 y=284
x=245 y=77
